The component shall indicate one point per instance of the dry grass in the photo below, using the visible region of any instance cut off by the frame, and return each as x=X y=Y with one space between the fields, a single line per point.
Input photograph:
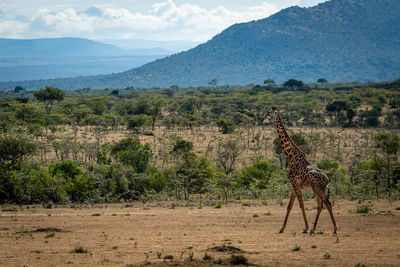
x=337 y=144
x=154 y=234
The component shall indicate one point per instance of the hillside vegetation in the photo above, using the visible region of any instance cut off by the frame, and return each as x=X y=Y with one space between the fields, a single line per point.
x=123 y=145
x=341 y=40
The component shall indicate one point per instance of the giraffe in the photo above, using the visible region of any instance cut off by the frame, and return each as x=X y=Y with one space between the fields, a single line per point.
x=302 y=175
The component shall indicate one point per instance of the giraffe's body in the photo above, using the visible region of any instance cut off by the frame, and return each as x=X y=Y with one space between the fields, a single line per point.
x=302 y=174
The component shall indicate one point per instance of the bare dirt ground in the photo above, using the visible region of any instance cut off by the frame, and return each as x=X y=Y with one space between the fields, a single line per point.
x=174 y=233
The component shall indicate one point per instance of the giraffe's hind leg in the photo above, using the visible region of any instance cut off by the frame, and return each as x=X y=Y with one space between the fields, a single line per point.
x=289 y=208
x=328 y=205
x=320 y=206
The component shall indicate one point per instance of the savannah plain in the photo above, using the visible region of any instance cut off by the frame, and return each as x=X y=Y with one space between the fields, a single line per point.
x=182 y=234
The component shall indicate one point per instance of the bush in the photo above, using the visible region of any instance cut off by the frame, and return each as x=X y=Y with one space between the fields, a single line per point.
x=77 y=186
x=131 y=152
x=218 y=206
x=238 y=260
x=364 y=209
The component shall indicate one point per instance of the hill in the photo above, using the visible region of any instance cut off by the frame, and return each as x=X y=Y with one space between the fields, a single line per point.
x=340 y=40
x=57 y=47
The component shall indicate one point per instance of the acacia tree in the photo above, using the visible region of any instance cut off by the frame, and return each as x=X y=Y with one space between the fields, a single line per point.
x=227 y=153
x=49 y=95
x=294 y=84
x=13 y=149
x=155 y=110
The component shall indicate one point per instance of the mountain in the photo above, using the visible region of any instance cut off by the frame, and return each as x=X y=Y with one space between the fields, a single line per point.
x=340 y=40
x=57 y=47
x=67 y=57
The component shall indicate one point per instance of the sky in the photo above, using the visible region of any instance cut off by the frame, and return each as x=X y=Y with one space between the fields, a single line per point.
x=162 y=20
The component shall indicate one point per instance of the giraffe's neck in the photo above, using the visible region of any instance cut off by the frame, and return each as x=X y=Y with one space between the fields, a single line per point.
x=289 y=147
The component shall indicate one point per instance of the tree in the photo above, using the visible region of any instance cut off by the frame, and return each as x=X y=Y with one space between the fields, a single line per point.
x=78 y=186
x=322 y=80
x=336 y=107
x=389 y=146
x=213 y=82
x=226 y=126
x=19 y=89
x=49 y=95
x=135 y=122
x=350 y=113
x=258 y=174
x=269 y=82
x=130 y=152
x=293 y=84
x=115 y=92
x=227 y=153
x=155 y=110
x=13 y=149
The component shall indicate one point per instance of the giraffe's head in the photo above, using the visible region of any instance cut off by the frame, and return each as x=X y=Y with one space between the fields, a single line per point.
x=270 y=117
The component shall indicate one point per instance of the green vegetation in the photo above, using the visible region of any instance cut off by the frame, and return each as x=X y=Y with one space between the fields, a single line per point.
x=89 y=145
x=296 y=248
x=238 y=260
x=80 y=249
x=364 y=209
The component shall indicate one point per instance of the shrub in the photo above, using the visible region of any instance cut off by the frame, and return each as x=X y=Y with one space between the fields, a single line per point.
x=364 y=209
x=80 y=249
x=296 y=248
x=207 y=257
x=218 y=206
x=238 y=260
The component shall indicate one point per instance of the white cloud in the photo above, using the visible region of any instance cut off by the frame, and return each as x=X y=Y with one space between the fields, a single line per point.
x=163 y=21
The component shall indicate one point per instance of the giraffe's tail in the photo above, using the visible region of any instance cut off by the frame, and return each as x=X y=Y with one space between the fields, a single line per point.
x=327 y=195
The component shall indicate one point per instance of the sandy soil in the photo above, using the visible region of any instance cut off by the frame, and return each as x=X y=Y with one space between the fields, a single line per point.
x=133 y=234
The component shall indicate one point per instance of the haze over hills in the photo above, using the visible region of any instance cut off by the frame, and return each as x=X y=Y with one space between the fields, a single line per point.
x=57 y=47
x=49 y=58
x=340 y=40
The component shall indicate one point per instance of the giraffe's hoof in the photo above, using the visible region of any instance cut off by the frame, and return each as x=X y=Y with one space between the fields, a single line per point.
x=305 y=231
x=281 y=231
x=312 y=232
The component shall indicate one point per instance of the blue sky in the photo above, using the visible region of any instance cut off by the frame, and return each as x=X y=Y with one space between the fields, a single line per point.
x=191 y=20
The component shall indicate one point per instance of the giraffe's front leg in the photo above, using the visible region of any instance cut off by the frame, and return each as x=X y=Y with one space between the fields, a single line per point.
x=300 y=198
x=289 y=208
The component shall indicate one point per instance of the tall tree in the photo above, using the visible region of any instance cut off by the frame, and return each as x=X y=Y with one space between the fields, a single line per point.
x=49 y=95
x=389 y=146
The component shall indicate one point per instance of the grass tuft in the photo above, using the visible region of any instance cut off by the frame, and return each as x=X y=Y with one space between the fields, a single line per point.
x=296 y=248
x=327 y=256
x=207 y=257
x=218 y=206
x=50 y=235
x=169 y=257
x=80 y=249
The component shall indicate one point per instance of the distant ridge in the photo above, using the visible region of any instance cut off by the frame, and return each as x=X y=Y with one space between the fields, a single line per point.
x=57 y=47
x=340 y=40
